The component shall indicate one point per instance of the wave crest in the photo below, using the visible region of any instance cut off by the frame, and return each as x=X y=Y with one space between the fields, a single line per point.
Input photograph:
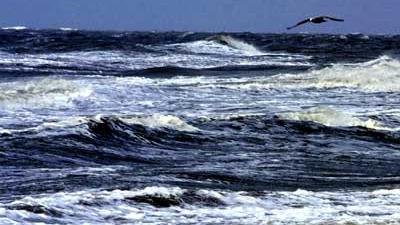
x=206 y=206
x=237 y=44
x=158 y=120
x=379 y=75
x=331 y=117
x=382 y=74
x=39 y=93
x=14 y=28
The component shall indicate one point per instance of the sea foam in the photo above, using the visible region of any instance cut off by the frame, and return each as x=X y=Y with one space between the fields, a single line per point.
x=41 y=92
x=329 y=116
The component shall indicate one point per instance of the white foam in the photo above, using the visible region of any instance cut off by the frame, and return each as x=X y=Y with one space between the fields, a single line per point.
x=15 y=28
x=158 y=121
x=380 y=75
x=68 y=29
x=241 y=45
x=57 y=126
x=5 y=131
x=232 y=46
x=116 y=60
x=329 y=116
x=214 y=55
x=41 y=92
x=298 y=207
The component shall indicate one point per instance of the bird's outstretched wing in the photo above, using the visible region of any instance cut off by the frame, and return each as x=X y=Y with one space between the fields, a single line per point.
x=334 y=19
x=298 y=24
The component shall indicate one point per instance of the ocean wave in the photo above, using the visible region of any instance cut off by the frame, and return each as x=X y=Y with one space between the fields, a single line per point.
x=158 y=120
x=124 y=139
x=14 y=28
x=220 y=45
x=41 y=92
x=68 y=29
x=228 y=152
x=217 y=52
x=183 y=206
x=117 y=62
x=329 y=116
x=226 y=45
x=379 y=75
x=236 y=44
x=93 y=125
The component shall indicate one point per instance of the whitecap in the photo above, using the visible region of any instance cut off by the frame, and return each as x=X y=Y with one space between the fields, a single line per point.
x=379 y=75
x=329 y=116
x=275 y=207
x=68 y=29
x=41 y=92
x=160 y=121
x=15 y=28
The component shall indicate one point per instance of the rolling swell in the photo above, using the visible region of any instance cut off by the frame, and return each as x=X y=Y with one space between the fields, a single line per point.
x=134 y=53
x=126 y=127
x=309 y=154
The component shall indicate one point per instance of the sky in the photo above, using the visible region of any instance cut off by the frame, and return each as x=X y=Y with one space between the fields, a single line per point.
x=265 y=16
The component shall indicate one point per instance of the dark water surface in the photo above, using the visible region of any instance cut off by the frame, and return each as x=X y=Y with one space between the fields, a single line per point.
x=198 y=128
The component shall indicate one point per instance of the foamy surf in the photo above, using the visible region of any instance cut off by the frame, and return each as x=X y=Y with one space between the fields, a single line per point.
x=67 y=29
x=41 y=92
x=152 y=205
x=94 y=61
x=14 y=28
x=157 y=128
x=160 y=121
x=81 y=124
x=220 y=44
x=329 y=116
x=380 y=75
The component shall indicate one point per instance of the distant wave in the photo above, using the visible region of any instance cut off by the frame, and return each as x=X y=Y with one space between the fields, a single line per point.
x=14 y=28
x=41 y=92
x=378 y=75
x=158 y=120
x=68 y=29
x=236 y=44
x=331 y=117
x=226 y=45
x=381 y=74
x=119 y=61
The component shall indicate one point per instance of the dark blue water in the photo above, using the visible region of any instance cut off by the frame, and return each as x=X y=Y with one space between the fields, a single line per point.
x=198 y=128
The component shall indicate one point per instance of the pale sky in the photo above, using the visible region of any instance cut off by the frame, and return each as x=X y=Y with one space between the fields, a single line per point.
x=266 y=16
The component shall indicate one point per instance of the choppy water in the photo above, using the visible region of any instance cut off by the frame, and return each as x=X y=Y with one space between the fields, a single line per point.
x=193 y=128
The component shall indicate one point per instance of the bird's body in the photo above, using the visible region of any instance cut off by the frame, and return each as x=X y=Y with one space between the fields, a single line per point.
x=317 y=20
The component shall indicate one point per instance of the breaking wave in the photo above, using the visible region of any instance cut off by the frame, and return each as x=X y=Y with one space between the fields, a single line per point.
x=158 y=120
x=380 y=75
x=331 y=117
x=41 y=92
x=93 y=125
x=147 y=127
x=220 y=44
x=68 y=29
x=236 y=44
x=118 y=62
x=183 y=206
x=14 y=28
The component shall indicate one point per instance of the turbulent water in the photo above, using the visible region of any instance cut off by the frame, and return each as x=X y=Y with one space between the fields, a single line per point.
x=198 y=128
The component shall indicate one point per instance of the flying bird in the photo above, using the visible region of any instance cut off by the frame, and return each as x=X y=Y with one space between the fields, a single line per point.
x=318 y=19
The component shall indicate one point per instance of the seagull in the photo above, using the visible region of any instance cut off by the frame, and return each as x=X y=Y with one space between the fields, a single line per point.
x=318 y=19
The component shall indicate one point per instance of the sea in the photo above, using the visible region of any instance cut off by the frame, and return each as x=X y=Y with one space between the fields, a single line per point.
x=107 y=127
